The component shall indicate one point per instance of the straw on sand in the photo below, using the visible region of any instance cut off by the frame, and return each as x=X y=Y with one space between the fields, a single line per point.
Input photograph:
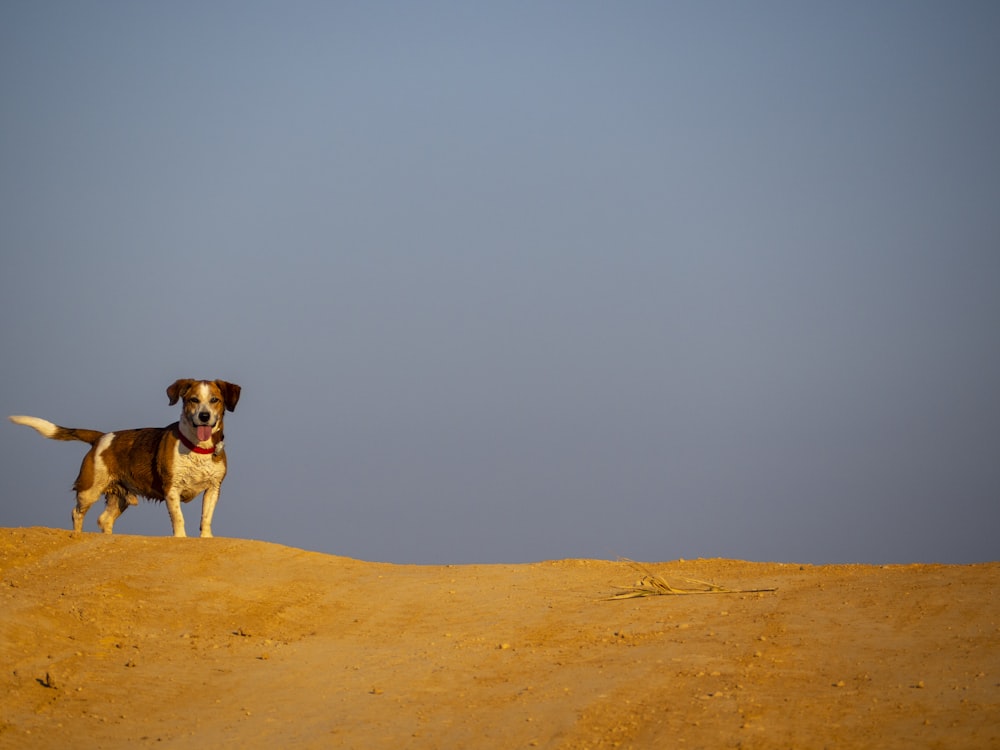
x=654 y=585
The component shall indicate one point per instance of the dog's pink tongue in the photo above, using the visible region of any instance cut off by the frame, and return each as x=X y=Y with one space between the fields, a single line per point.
x=204 y=433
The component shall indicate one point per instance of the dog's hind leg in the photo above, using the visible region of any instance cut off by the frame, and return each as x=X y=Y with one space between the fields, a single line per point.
x=84 y=499
x=91 y=482
x=117 y=503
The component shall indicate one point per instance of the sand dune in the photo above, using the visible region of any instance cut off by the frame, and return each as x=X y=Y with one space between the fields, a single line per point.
x=132 y=641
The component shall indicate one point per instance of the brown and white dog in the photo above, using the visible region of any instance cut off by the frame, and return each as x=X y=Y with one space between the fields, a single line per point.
x=174 y=463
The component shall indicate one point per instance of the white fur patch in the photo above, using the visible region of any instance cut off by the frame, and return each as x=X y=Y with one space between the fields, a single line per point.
x=102 y=445
x=194 y=473
x=100 y=468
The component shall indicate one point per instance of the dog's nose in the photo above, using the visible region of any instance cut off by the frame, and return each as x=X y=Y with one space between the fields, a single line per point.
x=204 y=416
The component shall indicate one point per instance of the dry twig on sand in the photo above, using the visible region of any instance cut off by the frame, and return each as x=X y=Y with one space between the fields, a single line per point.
x=653 y=585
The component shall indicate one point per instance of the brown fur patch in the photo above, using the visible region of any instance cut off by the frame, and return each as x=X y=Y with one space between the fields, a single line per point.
x=132 y=466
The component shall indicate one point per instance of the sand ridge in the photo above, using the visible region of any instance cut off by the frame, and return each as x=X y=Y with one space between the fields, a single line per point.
x=128 y=641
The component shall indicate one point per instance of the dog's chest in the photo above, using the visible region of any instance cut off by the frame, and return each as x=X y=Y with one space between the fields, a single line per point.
x=193 y=473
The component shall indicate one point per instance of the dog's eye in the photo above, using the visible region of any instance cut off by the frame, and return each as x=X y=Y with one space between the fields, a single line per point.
x=215 y=400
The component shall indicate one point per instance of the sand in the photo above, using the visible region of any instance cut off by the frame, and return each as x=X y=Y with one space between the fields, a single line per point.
x=127 y=641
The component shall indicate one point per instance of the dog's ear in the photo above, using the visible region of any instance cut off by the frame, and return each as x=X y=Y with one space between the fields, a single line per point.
x=177 y=389
x=230 y=394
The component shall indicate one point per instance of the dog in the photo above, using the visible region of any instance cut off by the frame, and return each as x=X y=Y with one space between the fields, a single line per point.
x=174 y=464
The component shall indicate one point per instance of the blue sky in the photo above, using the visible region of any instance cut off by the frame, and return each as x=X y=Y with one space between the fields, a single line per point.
x=517 y=281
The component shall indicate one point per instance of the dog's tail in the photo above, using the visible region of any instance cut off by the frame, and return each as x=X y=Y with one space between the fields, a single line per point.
x=56 y=432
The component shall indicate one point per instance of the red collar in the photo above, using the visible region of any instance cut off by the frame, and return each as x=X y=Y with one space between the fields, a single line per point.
x=192 y=447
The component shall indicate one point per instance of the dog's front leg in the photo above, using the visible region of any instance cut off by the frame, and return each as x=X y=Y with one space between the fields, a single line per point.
x=174 y=509
x=208 y=509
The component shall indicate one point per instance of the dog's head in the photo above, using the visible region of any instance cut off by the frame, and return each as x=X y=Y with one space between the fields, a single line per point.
x=204 y=402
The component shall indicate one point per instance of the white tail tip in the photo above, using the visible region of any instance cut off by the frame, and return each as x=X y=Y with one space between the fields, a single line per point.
x=42 y=425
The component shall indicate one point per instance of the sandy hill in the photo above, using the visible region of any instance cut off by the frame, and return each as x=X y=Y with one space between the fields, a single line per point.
x=128 y=641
